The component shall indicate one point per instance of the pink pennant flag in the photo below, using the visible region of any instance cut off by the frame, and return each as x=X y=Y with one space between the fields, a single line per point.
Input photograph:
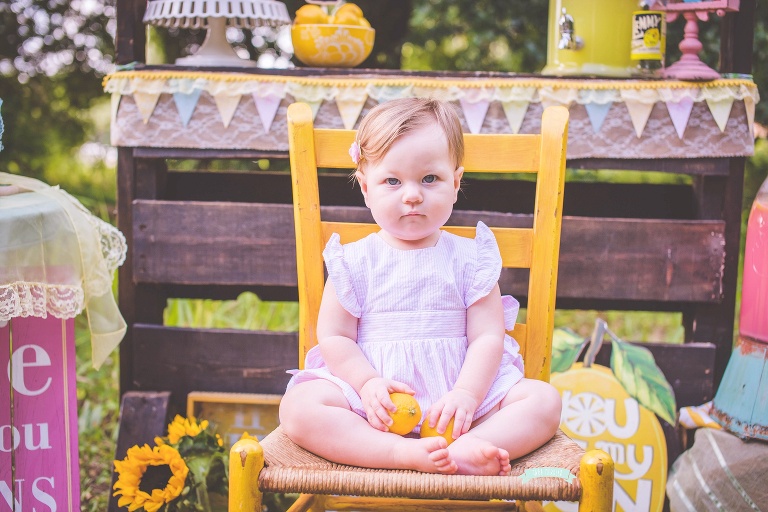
x=267 y=107
x=474 y=113
x=680 y=112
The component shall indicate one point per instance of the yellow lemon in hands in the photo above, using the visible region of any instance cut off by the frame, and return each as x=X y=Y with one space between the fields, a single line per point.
x=310 y=14
x=407 y=415
x=427 y=431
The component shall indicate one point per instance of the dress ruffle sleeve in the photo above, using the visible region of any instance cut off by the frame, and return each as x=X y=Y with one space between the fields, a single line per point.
x=488 y=265
x=340 y=275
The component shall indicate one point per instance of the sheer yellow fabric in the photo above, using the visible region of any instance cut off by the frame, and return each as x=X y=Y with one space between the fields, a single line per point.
x=57 y=258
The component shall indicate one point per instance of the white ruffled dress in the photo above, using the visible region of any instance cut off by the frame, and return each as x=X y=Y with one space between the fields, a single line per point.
x=412 y=310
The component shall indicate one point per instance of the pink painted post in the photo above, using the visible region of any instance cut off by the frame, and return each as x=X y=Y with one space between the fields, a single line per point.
x=39 y=467
x=690 y=67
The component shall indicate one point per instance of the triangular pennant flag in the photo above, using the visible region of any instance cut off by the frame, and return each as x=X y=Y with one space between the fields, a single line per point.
x=267 y=107
x=474 y=113
x=115 y=104
x=146 y=102
x=227 y=105
x=314 y=105
x=186 y=103
x=720 y=110
x=515 y=112
x=597 y=113
x=680 y=112
x=749 y=106
x=639 y=112
x=350 y=110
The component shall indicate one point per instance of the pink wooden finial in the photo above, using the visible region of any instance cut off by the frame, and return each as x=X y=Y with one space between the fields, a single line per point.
x=690 y=67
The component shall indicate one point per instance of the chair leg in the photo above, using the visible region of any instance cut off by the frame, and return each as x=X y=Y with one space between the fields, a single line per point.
x=246 y=460
x=596 y=477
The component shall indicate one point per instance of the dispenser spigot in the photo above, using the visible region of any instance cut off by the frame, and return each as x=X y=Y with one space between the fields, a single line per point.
x=568 y=38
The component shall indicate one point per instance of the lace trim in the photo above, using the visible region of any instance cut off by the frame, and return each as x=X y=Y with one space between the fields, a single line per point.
x=23 y=299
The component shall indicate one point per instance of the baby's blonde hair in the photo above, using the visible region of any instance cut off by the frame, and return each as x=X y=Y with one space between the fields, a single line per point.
x=386 y=122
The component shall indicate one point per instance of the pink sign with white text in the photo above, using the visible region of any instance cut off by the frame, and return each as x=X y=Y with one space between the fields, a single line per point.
x=39 y=468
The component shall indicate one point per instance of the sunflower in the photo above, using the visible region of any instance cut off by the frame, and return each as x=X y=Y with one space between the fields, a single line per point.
x=149 y=477
x=181 y=427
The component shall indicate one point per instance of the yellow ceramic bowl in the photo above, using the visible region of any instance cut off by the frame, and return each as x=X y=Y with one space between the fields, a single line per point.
x=342 y=46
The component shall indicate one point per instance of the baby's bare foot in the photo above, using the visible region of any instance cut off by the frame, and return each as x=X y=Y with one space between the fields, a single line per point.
x=475 y=456
x=428 y=455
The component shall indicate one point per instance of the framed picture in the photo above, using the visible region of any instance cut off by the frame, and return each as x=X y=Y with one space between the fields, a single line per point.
x=231 y=414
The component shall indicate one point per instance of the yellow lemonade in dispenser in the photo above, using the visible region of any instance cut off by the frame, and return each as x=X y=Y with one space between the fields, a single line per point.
x=590 y=37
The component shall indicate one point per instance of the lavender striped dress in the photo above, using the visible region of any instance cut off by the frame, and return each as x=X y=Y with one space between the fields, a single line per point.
x=412 y=307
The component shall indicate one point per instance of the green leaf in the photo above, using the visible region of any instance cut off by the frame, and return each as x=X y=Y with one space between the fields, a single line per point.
x=636 y=370
x=566 y=346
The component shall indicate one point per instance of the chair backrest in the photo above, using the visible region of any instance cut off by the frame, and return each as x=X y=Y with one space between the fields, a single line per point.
x=535 y=248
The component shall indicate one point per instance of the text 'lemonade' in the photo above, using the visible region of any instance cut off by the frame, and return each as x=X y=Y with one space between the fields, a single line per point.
x=753 y=321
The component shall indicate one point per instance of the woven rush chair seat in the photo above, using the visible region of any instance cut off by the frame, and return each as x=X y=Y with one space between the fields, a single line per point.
x=289 y=468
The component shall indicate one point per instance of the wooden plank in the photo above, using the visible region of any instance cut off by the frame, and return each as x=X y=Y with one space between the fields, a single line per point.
x=692 y=166
x=143 y=416
x=489 y=153
x=195 y=243
x=737 y=32
x=624 y=200
x=130 y=38
x=689 y=368
x=182 y=360
x=214 y=243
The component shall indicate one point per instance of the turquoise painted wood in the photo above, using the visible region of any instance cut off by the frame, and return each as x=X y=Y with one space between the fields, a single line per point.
x=741 y=402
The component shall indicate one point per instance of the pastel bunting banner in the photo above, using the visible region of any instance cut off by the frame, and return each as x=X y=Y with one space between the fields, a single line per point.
x=114 y=106
x=146 y=102
x=597 y=113
x=749 y=105
x=350 y=110
x=185 y=104
x=680 y=112
x=474 y=113
x=720 y=110
x=227 y=105
x=639 y=113
x=515 y=111
x=267 y=107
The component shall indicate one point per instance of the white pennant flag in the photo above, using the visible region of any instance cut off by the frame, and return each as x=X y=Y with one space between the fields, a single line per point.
x=749 y=105
x=115 y=105
x=639 y=112
x=350 y=110
x=720 y=110
x=146 y=102
x=680 y=112
x=227 y=105
x=515 y=113
x=267 y=107
x=474 y=113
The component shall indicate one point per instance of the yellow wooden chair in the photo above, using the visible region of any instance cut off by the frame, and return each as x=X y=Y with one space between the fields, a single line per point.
x=560 y=470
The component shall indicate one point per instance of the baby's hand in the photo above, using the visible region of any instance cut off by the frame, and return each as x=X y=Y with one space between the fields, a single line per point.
x=457 y=403
x=375 y=397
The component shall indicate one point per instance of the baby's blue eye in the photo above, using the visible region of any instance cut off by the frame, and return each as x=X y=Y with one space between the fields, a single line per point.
x=429 y=178
x=392 y=181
